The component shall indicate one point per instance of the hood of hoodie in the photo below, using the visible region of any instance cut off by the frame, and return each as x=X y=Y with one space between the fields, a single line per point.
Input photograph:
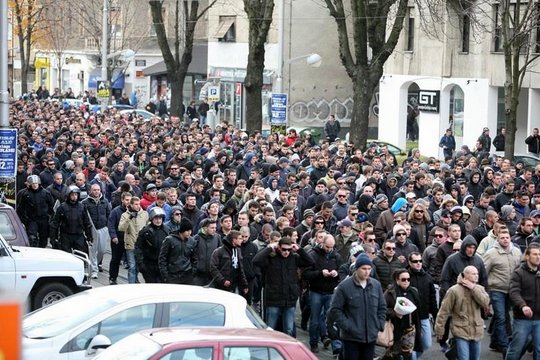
x=467 y=241
x=398 y=204
x=467 y=198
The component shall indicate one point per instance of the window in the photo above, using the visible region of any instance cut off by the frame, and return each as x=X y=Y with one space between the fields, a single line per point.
x=6 y=228
x=226 y=31
x=115 y=327
x=258 y=353
x=465 y=33
x=410 y=30
x=196 y=314
x=190 y=354
x=65 y=79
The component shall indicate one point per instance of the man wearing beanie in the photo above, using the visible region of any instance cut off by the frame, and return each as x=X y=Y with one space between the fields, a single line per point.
x=403 y=246
x=176 y=256
x=381 y=204
x=358 y=309
x=306 y=224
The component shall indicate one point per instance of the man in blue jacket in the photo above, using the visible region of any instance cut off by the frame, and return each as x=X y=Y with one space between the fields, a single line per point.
x=359 y=311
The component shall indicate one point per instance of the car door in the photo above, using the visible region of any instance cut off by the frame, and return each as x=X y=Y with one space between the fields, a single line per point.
x=115 y=327
x=7 y=268
x=239 y=351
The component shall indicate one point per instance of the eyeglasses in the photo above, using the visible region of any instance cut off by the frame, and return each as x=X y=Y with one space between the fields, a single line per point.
x=418 y=211
x=286 y=249
x=405 y=279
x=388 y=248
x=177 y=214
x=401 y=234
x=370 y=240
x=342 y=196
x=439 y=235
x=416 y=261
x=319 y=222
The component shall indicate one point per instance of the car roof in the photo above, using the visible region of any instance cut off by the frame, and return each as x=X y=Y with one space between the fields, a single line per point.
x=126 y=292
x=166 y=336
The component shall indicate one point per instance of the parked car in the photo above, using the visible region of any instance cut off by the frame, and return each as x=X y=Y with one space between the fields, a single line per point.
x=207 y=344
x=41 y=276
x=529 y=160
x=146 y=115
x=97 y=107
x=11 y=226
x=65 y=330
x=396 y=150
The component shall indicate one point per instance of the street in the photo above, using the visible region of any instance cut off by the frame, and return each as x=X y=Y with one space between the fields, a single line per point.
x=433 y=353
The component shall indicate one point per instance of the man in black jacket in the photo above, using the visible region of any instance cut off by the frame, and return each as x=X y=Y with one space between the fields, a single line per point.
x=176 y=256
x=323 y=278
x=226 y=265
x=280 y=263
x=524 y=290
x=148 y=245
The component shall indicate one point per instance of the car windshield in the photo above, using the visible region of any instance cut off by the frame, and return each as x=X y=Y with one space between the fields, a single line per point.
x=63 y=315
x=133 y=347
x=255 y=318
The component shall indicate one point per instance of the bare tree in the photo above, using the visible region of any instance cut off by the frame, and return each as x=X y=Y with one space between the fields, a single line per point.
x=178 y=59
x=260 y=17
x=367 y=28
x=27 y=26
x=55 y=18
x=517 y=26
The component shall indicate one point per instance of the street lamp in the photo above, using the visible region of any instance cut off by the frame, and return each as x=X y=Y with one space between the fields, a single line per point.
x=313 y=60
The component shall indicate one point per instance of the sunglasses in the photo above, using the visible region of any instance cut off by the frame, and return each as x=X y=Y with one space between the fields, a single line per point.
x=455 y=250
x=319 y=222
x=397 y=221
x=405 y=279
x=439 y=235
x=401 y=234
x=370 y=240
x=390 y=248
x=416 y=261
x=177 y=214
x=342 y=196
x=286 y=249
x=418 y=211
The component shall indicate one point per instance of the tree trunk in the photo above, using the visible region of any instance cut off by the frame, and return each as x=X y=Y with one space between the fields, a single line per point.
x=177 y=86
x=511 y=102
x=24 y=78
x=253 y=84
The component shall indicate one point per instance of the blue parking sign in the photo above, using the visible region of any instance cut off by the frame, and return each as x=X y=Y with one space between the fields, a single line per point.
x=8 y=152
x=279 y=108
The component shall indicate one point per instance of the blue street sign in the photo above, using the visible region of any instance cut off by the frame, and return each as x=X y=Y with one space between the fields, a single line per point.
x=279 y=108
x=8 y=152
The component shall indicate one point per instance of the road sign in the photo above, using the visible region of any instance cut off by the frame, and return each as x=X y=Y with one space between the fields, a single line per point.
x=213 y=93
x=8 y=152
x=279 y=108
x=103 y=89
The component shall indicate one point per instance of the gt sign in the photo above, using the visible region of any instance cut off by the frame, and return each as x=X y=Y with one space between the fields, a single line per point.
x=428 y=100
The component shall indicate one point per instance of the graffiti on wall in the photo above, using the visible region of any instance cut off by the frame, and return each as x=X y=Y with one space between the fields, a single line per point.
x=315 y=112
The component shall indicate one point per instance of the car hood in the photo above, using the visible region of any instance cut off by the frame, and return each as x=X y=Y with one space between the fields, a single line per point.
x=30 y=258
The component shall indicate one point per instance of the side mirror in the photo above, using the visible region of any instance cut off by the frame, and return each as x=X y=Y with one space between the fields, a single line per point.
x=98 y=343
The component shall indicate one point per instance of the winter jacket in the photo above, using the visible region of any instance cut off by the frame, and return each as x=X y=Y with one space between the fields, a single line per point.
x=443 y=252
x=176 y=257
x=385 y=269
x=99 y=210
x=385 y=223
x=204 y=247
x=148 y=246
x=523 y=240
x=425 y=285
x=359 y=312
x=71 y=219
x=34 y=205
x=525 y=291
x=344 y=243
x=226 y=265
x=456 y=263
x=131 y=223
x=280 y=275
x=113 y=221
x=322 y=260
x=486 y=244
x=464 y=306
x=500 y=264
x=404 y=322
x=249 y=250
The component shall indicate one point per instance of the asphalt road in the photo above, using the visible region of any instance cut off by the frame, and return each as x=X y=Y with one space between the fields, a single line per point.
x=434 y=353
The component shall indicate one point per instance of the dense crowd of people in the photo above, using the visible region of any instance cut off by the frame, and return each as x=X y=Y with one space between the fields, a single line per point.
x=348 y=233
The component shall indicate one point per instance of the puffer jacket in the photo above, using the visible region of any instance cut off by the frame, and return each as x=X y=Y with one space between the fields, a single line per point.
x=500 y=264
x=131 y=223
x=204 y=247
x=176 y=257
x=464 y=306
x=386 y=268
x=280 y=275
x=99 y=210
x=525 y=291
x=425 y=285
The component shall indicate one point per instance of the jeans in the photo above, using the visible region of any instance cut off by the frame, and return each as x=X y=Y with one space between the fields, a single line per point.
x=521 y=331
x=501 y=306
x=319 y=304
x=425 y=336
x=467 y=349
x=287 y=317
x=132 y=270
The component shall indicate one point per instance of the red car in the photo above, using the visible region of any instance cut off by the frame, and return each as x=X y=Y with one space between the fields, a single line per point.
x=208 y=344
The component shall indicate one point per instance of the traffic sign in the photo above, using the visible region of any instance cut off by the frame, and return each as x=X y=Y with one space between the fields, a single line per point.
x=8 y=152
x=279 y=108
x=213 y=93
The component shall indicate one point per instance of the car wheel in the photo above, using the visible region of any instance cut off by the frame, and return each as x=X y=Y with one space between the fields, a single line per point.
x=50 y=293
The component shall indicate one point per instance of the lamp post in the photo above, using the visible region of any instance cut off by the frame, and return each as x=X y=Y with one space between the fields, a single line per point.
x=4 y=94
x=104 y=38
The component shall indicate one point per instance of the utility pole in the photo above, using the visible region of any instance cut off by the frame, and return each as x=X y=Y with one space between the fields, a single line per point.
x=4 y=94
x=104 y=37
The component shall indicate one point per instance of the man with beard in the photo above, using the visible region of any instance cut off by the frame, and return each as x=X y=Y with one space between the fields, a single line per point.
x=71 y=224
x=148 y=246
x=34 y=206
